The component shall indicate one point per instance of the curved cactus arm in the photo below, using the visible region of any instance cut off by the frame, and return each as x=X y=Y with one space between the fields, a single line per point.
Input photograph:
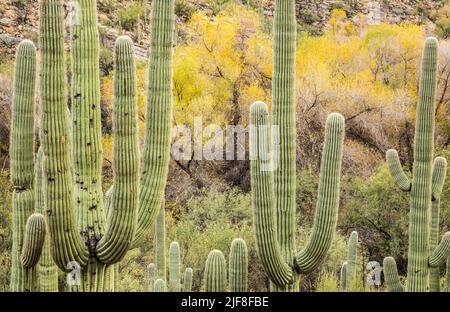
x=442 y=252
x=187 y=280
x=352 y=250
x=21 y=160
x=397 y=173
x=215 y=272
x=124 y=200
x=151 y=276
x=159 y=116
x=238 y=266
x=263 y=196
x=34 y=240
x=325 y=219
x=343 y=277
x=174 y=267
x=438 y=177
x=159 y=286
x=66 y=243
x=391 y=275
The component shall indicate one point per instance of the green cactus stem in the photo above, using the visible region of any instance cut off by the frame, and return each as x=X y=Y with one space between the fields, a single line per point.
x=159 y=286
x=187 y=280
x=238 y=266
x=34 y=240
x=21 y=153
x=150 y=276
x=343 y=278
x=438 y=179
x=215 y=278
x=281 y=273
x=391 y=275
x=424 y=188
x=159 y=116
x=160 y=244
x=351 y=261
x=174 y=267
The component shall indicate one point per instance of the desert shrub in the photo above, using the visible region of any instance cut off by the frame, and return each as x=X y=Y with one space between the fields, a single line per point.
x=327 y=282
x=130 y=15
x=184 y=9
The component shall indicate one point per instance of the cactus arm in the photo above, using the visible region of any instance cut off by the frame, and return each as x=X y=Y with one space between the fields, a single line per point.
x=438 y=179
x=343 y=277
x=238 y=266
x=124 y=201
x=263 y=196
x=159 y=286
x=351 y=261
x=396 y=170
x=442 y=251
x=48 y=272
x=391 y=275
x=21 y=159
x=150 y=276
x=66 y=244
x=421 y=190
x=215 y=272
x=160 y=243
x=159 y=116
x=325 y=219
x=187 y=280
x=174 y=267
x=34 y=240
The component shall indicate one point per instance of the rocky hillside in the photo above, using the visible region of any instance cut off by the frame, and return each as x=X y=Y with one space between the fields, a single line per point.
x=19 y=18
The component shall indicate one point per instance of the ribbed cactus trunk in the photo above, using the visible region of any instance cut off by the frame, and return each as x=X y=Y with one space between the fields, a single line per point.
x=343 y=278
x=22 y=162
x=238 y=266
x=215 y=279
x=426 y=184
x=284 y=104
x=352 y=248
x=174 y=267
x=187 y=280
x=48 y=271
x=273 y=169
x=159 y=286
x=160 y=244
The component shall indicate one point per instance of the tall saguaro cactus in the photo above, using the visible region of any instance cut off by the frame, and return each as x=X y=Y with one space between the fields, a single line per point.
x=215 y=278
x=174 y=267
x=23 y=277
x=425 y=185
x=274 y=178
x=71 y=145
x=238 y=266
x=350 y=270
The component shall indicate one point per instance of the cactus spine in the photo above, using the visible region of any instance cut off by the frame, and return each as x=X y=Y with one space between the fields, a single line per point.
x=174 y=267
x=423 y=188
x=215 y=278
x=23 y=277
x=187 y=280
x=238 y=266
x=350 y=271
x=273 y=193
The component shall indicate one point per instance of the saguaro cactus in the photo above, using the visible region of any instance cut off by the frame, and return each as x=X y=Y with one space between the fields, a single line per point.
x=174 y=267
x=187 y=280
x=215 y=278
x=424 y=186
x=350 y=270
x=150 y=276
x=72 y=159
x=273 y=193
x=160 y=286
x=343 y=277
x=238 y=266
x=23 y=277
x=160 y=244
